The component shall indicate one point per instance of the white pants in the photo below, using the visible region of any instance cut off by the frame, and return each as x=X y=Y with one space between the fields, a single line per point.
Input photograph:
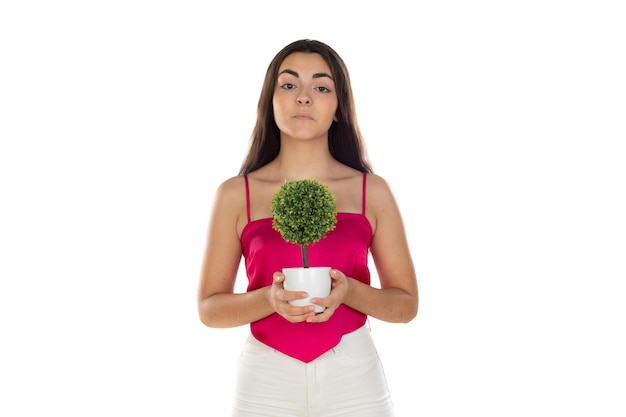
x=346 y=381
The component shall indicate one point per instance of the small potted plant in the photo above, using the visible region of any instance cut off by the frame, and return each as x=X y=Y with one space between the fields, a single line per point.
x=304 y=211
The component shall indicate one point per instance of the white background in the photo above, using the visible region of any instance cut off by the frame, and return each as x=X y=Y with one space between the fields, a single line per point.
x=500 y=126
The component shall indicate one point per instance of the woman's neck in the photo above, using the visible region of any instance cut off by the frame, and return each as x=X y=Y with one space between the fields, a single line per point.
x=303 y=159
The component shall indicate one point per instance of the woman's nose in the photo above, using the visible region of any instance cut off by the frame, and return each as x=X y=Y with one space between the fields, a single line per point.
x=303 y=98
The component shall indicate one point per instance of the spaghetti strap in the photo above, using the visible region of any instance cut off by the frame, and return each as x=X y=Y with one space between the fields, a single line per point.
x=245 y=177
x=364 y=188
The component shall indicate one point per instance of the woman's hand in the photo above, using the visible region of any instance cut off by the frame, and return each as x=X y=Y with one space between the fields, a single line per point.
x=279 y=299
x=338 y=292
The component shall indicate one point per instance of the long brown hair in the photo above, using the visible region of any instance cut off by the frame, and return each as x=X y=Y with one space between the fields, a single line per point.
x=345 y=142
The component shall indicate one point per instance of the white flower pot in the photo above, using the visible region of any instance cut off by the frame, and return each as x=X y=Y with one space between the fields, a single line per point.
x=315 y=281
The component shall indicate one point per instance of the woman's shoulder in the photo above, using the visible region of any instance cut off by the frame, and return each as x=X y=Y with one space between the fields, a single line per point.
x=231 y=183
x=231 y=190
x=377 y=187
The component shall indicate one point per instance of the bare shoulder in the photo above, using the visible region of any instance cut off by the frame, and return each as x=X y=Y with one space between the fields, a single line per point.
x=381 y=201
x=378 y=189
x=231 y=186
x=229 y=206
x=230 y=194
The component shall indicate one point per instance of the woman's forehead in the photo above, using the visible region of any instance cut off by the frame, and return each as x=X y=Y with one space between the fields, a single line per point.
x=305 y=63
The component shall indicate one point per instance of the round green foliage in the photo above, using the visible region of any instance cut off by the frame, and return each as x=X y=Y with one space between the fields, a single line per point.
x=304 y=211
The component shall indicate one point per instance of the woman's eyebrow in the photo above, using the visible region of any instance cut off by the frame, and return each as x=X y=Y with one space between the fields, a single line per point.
x=295 y=74
x=288 y=71
x=322 y=74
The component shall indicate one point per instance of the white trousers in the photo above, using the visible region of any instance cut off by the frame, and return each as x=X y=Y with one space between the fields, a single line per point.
x=347 y=381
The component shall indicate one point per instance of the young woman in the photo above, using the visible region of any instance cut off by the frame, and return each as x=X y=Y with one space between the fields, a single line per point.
x=296 y=362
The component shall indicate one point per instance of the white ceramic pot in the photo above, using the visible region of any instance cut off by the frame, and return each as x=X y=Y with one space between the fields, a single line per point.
x=315 y=281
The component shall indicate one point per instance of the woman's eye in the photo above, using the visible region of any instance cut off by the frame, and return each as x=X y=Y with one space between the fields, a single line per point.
x=323 y=89
x=288 y=86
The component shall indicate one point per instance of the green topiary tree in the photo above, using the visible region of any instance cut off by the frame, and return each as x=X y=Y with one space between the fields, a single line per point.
x=304 y=212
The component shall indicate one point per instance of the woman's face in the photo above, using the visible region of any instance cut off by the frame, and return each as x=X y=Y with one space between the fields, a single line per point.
x=305 y=100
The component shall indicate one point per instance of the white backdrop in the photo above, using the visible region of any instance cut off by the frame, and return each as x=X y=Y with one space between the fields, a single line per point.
x=500 y=126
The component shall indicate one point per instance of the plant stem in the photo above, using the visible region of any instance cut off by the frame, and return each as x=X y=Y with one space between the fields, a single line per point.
x=305 y=256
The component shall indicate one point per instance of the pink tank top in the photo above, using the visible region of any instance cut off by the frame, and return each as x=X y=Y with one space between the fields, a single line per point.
x=345 y=248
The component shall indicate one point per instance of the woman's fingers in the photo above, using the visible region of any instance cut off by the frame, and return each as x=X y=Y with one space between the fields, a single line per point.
x=281 y=298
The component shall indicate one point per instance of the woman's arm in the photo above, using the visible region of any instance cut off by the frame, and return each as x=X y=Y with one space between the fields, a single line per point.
x=397 y=299
x=218 y=306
